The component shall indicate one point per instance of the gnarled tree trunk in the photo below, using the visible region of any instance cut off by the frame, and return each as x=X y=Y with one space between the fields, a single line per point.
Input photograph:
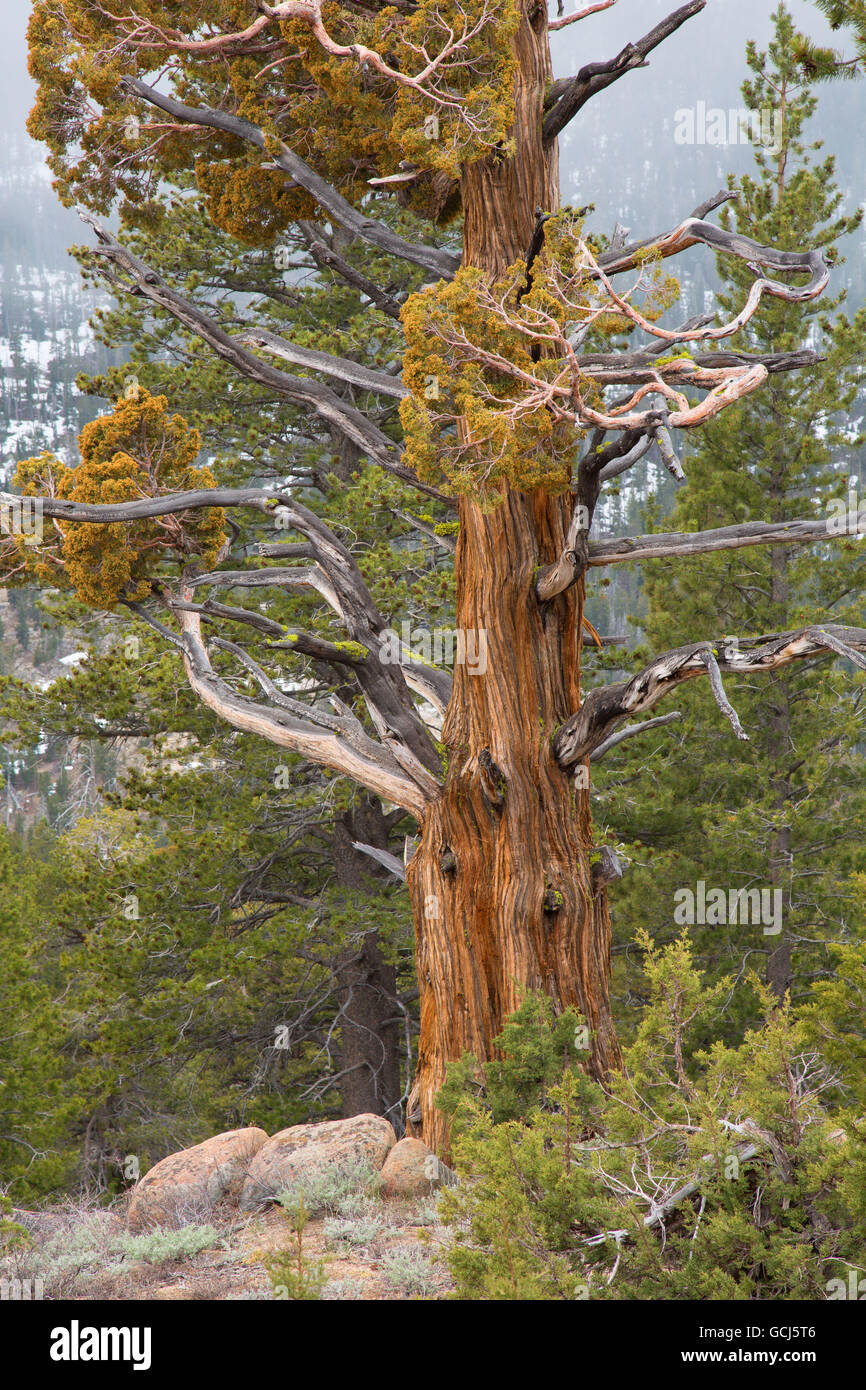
x=501 y=880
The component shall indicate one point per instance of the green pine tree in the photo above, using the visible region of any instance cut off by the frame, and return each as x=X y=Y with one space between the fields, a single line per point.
x=785 y=811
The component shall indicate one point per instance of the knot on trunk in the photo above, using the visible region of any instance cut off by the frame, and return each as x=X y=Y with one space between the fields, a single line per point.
x=492 y=779
x=553 y=899
x=606 y=867
x=447 y=860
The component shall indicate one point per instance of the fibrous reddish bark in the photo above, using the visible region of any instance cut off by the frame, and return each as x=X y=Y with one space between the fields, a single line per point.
x=501 y=882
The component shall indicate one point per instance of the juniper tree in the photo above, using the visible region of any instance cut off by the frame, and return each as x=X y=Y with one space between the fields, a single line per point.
x=512 y=414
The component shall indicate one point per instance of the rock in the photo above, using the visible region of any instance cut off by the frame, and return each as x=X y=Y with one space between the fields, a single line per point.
x=412 y=1170
x=186 y=1186
x=310 y=1150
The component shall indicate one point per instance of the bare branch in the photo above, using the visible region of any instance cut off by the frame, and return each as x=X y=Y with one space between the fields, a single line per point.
x=567 y=96
x=663 y=441
x=445 y=542
x=623 y=549
x=440 y=263
x=631 y=730
x=628 y=459
x=327 y=258
x=718 y=690
x=693 y=230
x=308 y=644
x=381 y=856
x=554 y=24
x=215 y=610
x=605 y=707
x=353 y=373
x=103 y=513
x=303 y=391
x=366 y=762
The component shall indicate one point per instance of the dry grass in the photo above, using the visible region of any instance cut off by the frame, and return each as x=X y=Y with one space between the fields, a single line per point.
x=372 y=1249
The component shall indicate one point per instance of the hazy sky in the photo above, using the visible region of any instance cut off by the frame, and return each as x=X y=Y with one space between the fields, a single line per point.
x=16 y=89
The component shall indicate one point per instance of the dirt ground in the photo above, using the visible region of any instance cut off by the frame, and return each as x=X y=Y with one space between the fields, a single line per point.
x=391 y=1250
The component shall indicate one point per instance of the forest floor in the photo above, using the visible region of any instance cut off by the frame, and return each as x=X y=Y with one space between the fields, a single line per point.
x=367 y=1249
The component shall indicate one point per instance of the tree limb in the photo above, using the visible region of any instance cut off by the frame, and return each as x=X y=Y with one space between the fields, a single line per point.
x=353 y=373
x=634 y=368
x=440 y=263
x=330 y=408
x=363 y=760
x=327 y=258
x=566 y=97
x=565 y=20
x=667 y=544
x=631 y=730
x=381 y=856
x=695 y=229
x=605 y=707
x=334 y=574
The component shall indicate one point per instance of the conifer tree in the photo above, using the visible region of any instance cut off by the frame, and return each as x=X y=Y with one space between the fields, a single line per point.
x=515 y=356
x=821 y=63
x=785 y=812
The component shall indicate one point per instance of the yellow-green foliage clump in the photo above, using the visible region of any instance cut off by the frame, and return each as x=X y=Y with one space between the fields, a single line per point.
x=248 y=202
x=136 y=451
x=349 y=120
x=380 y=119
x=494 y=388
x=467 y=420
